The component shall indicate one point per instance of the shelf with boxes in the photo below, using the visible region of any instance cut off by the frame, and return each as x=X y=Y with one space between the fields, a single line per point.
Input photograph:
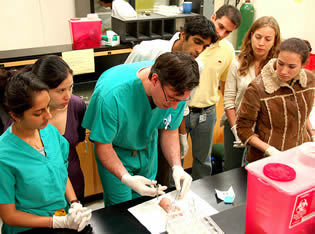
x=154 y=26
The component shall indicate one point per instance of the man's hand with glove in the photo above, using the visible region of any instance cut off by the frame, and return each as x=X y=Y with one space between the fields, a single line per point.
x=237 y=143
x=182 y=180
x=77 y=218
x=142 y=185
x=184 y=147
x=271 y=151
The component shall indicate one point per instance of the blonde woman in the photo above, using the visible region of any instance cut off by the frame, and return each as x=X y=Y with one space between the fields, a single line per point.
x=259 y=46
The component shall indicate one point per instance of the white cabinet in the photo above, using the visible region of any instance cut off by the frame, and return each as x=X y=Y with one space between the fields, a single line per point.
x=35 y=23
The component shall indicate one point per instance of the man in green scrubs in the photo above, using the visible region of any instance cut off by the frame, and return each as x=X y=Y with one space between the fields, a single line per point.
x=129 y=104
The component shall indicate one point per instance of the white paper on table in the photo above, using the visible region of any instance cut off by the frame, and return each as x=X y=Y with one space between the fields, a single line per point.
x=153 y=217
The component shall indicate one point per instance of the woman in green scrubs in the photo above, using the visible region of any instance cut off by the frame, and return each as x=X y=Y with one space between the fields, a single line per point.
x=34 y=182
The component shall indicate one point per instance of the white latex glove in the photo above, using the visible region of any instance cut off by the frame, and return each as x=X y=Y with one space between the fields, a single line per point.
x=81 y=213
x=182 y=180
x=72 y=220
x=75 y=207
x=237 y=143
x=183 y=145
x=142 y=185
x=313 y=138
x=271 y=151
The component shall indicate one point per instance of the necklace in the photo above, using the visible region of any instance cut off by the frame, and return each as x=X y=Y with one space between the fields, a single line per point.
x=34 y=141
x=37 y=142
x=37 y=145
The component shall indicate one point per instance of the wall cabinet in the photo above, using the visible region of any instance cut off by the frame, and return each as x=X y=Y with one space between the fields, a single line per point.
x=35 y=23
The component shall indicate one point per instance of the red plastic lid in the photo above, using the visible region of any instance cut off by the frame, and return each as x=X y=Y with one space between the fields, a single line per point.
x=279 y=172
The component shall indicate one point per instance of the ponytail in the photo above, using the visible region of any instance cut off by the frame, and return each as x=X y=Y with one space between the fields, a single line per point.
x=4 y=78
x=6 y=75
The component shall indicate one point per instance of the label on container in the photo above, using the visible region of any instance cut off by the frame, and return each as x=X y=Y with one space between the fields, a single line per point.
x=304 y=208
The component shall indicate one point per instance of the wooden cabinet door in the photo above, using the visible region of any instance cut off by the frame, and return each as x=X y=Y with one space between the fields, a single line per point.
x=88 y=164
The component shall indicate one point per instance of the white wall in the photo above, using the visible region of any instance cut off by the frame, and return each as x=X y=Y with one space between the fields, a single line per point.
x=295 y=17
x=55 y=15
x=35 y=23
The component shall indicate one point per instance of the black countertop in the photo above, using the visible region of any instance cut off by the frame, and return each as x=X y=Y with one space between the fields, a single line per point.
x=231 y=217
x=36 y=52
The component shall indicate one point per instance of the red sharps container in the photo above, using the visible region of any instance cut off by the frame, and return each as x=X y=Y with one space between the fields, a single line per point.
x=281 y=192
x=86 y=32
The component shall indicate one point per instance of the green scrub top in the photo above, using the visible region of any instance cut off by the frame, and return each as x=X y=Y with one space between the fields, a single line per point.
x=34 y=182
x=120 y=113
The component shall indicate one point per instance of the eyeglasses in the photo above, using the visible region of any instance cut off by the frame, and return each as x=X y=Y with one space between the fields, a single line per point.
x=174 y=100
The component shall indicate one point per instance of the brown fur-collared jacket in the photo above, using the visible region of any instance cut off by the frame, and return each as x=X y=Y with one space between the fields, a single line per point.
x=275 y=111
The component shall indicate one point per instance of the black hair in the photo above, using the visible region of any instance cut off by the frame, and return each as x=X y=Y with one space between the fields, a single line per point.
x=231 y=12
x=200 y=25
x=52 y=70
x=297 y=46
x=4 y=77
x=178 y=70
x=19 y=92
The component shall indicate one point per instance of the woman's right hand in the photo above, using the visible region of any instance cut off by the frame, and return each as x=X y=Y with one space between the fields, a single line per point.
x=271 y=151
x=76 y=220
